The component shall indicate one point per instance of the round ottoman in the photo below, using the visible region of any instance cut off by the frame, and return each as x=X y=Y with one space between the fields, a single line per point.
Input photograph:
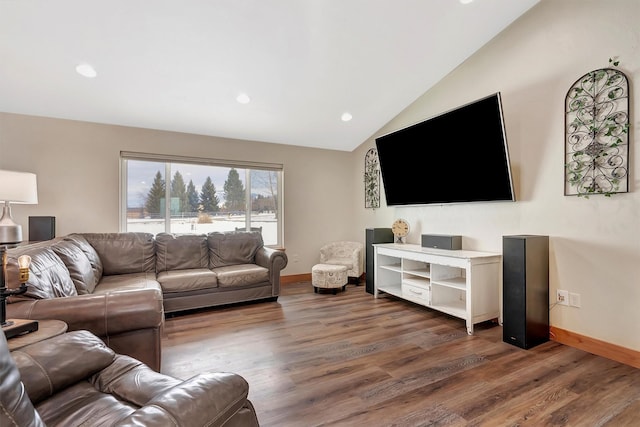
x=329 y=276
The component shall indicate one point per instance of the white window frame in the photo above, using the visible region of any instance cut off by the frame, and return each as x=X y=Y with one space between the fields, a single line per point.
x=167 y=159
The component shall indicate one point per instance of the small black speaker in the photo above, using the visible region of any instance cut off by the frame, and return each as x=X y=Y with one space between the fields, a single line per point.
x=42 y=228
x=441 y=241
x=525 y=290
x=374 y=235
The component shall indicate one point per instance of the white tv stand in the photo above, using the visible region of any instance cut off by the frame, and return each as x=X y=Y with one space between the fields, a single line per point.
x=464 y=284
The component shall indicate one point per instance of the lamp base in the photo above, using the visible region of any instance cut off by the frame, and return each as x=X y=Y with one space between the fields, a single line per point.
x=17 y=327
x=10 y=232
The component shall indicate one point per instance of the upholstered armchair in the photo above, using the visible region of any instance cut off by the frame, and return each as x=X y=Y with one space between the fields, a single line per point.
x=75 y=379
x=349 y=254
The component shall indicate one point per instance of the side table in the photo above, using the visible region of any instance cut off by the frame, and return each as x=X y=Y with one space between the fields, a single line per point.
x=46 y=329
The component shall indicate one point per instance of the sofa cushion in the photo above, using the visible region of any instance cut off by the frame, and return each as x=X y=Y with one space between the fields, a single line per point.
x=187 y=280
x=124 y=282
x=124 y=253
x=48 y=276
x=89 y=251
x=181 y=252
x=241 y=275
x=233 y=248
x=80 y=269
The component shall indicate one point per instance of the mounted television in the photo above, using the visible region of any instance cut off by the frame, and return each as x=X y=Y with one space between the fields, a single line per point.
x=455 y=157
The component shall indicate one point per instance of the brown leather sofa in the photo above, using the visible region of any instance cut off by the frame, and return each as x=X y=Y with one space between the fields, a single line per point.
x=196 y=271
x=74 y=379
x=119 y=285
x=115 y=296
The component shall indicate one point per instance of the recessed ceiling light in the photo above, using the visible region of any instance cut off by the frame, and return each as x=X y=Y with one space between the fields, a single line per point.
x=86 y=70
x=243 y=98
x=465 y=1
x=346 y=117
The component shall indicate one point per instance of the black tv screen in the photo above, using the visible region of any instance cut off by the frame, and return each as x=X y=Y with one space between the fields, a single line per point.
x=458 y=156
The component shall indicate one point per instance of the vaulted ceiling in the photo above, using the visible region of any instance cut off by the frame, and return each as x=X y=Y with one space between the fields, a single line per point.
x=181 y=65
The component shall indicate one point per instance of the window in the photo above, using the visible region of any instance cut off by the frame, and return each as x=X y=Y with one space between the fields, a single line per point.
x=204 y=195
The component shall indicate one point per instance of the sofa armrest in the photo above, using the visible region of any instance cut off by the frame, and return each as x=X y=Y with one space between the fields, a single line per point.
x=208 y=399
x=275 y=260
x=357 y=260
x=103 y=314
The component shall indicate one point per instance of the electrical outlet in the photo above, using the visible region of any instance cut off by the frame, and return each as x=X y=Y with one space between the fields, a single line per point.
x=562 y=297
x=574 y=300
x=295 y=258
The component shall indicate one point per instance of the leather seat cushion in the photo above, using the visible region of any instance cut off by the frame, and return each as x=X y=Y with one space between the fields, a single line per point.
x=187 y=280
x=241 y=275
x=122 y=282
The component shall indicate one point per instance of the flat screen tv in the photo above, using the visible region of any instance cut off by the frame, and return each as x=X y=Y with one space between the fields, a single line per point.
x=456 y=157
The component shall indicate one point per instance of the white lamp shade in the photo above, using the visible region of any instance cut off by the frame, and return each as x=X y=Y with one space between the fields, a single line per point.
x=18 y=187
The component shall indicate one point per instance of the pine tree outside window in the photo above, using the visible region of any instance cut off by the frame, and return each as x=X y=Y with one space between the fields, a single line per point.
x=204 y=195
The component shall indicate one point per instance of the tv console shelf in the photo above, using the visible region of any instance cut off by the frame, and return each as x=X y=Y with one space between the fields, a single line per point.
x=462 y=283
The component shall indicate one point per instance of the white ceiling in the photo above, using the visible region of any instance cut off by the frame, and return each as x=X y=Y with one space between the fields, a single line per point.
x=179 y=64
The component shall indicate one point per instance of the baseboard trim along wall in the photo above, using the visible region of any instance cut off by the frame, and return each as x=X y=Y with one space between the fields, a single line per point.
x=595 y=346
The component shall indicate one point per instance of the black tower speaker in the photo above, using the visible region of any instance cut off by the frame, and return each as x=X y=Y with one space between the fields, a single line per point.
x=374 y=235
x=525 y=290
x=42 y=228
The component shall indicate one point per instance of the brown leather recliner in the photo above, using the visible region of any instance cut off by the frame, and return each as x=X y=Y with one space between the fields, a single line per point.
x=75 y=379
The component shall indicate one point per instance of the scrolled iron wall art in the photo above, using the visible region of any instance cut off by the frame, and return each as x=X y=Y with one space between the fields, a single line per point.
x=597 y=134
x=371 y=180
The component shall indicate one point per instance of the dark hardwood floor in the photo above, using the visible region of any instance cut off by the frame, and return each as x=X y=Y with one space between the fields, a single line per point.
x=352 y=360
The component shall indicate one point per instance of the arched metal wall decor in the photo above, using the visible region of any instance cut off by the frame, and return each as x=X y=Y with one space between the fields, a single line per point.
x=597 y=134
x=371 y=179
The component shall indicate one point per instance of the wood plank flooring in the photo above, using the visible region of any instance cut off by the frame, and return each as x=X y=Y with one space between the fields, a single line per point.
x=352 y=360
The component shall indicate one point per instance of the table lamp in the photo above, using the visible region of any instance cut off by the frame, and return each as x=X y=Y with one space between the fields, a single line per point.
x=15 y=187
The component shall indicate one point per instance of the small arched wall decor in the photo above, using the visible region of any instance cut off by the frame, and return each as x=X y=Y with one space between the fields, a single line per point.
x=371 y=180
x=597 y=134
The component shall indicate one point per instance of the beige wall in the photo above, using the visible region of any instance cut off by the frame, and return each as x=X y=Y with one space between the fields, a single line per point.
x=595 y=242
x=77 y=165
